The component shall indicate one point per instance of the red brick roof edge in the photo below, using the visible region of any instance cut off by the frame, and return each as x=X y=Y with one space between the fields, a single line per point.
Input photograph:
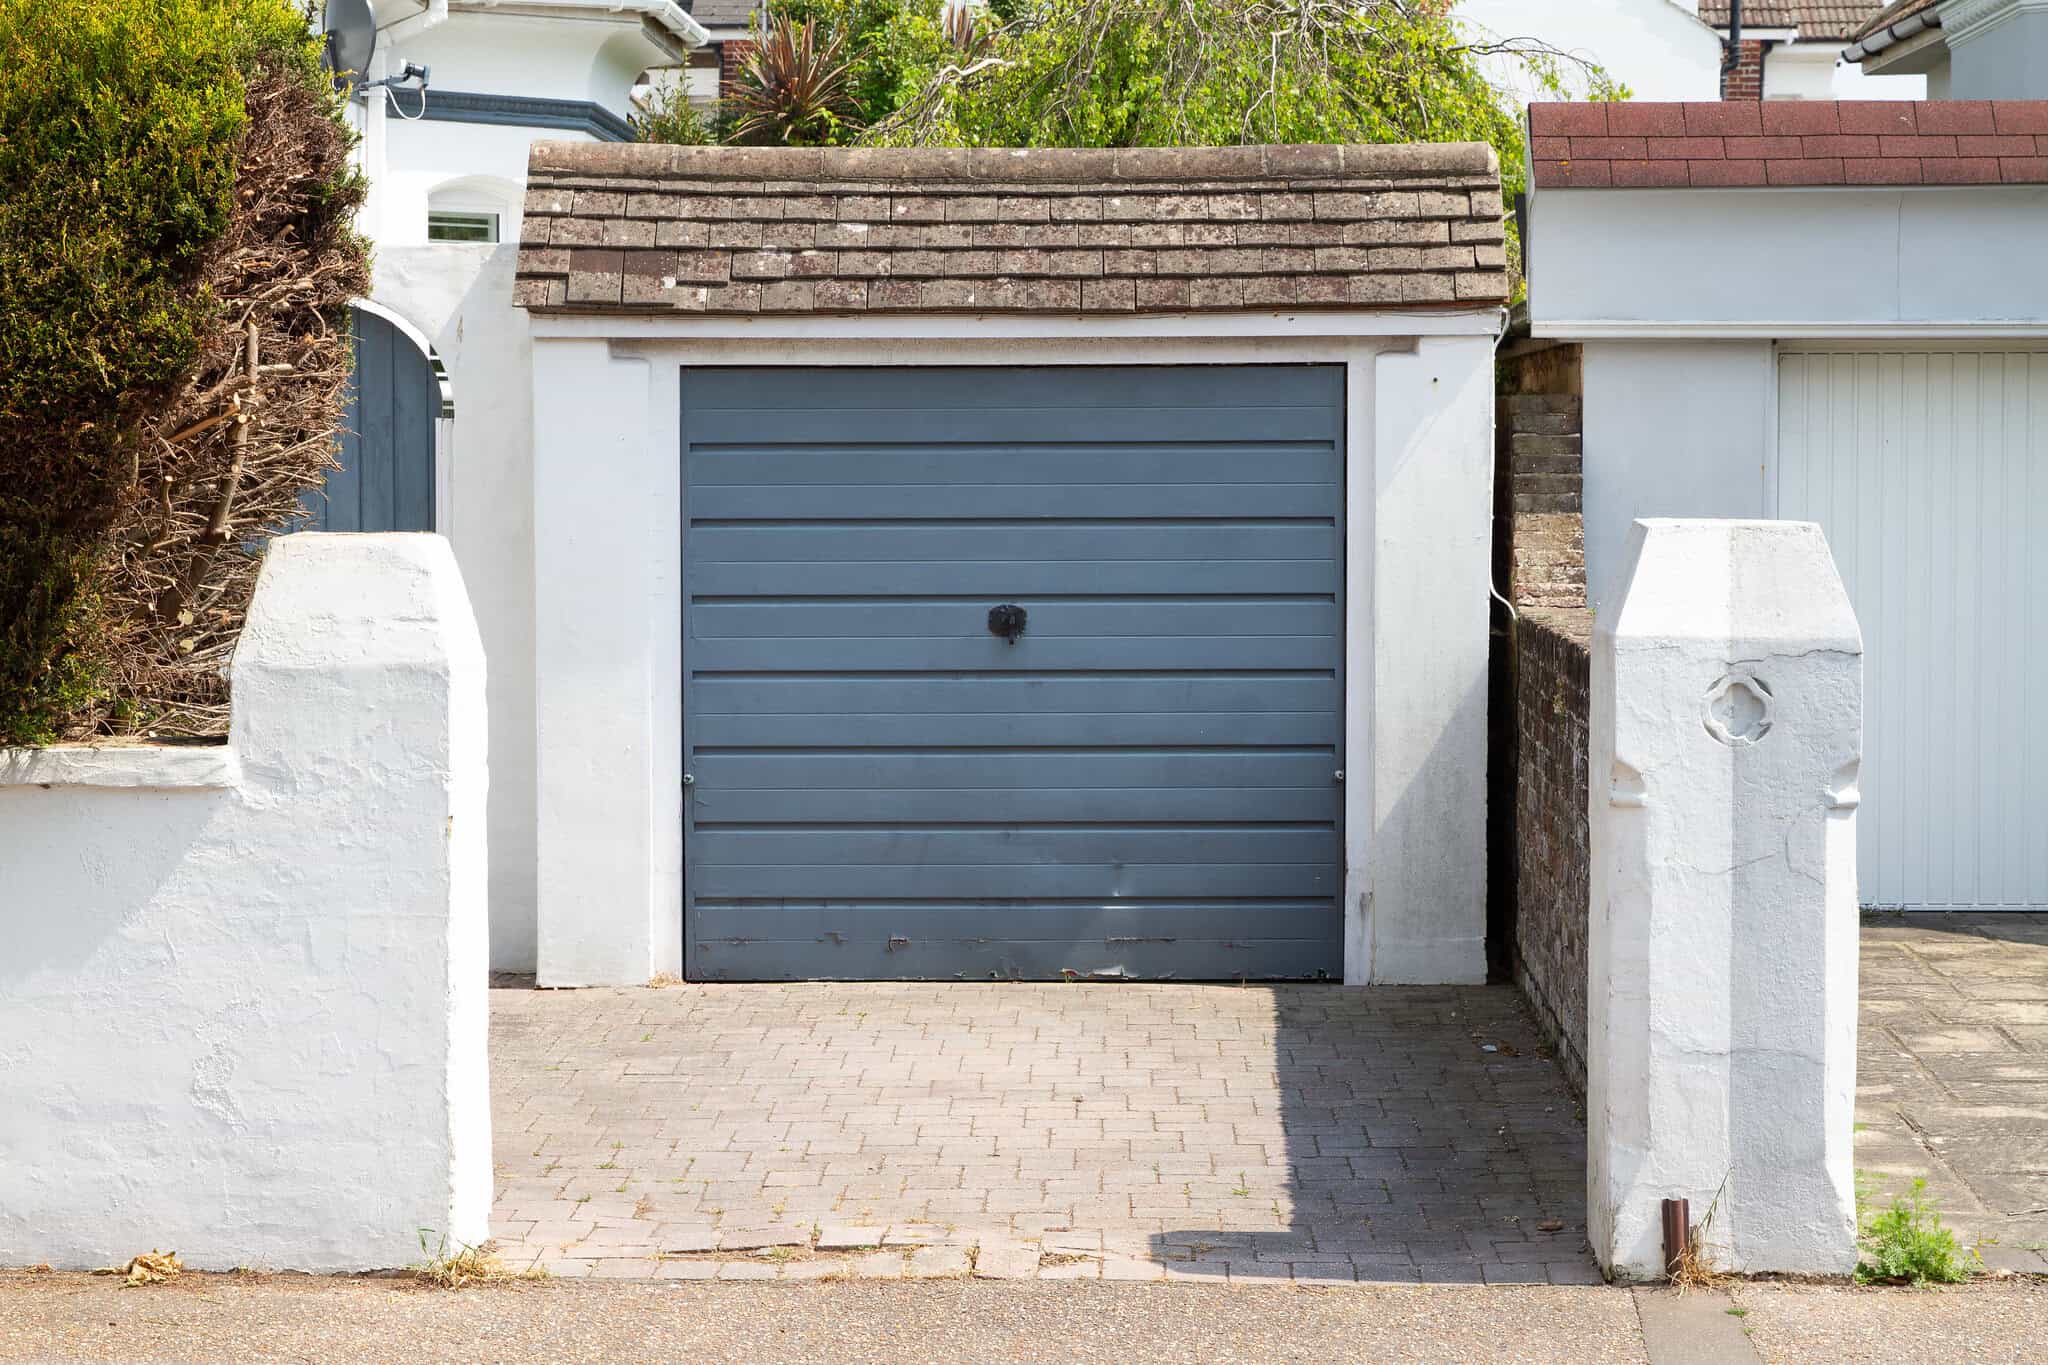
x=1626 y=145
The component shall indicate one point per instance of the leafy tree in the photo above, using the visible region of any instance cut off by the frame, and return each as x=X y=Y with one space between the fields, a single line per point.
x=1121 y=73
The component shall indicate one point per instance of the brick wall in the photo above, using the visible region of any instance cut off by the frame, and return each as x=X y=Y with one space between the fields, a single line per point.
x=1746 y=81
x=1551 y=700
x=1538 y=828
x=732 y=59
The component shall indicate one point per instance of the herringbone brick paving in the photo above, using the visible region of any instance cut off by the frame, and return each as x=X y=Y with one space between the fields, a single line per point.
x=1312 y=1133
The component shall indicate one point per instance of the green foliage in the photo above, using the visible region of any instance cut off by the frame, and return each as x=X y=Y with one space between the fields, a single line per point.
x=120 y=127
x=793 y=89
x=1907 y=1244
x=670 y=117
x=892 y=49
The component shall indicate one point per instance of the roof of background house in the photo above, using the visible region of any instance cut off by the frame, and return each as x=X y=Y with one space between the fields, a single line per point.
x=1788 y=142
x=1891 y=14
x=1816 y=20
x=656 y=229
x=723 y=13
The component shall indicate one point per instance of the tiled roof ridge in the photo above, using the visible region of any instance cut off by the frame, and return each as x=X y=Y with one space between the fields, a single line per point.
x=1720 y=144
x=1010 y=165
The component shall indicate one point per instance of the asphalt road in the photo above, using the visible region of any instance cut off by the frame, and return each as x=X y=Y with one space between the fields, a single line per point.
x=298 y=1318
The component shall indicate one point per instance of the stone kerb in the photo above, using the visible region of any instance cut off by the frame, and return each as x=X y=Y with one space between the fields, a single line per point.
x=243 y=1002
x=1726 y=739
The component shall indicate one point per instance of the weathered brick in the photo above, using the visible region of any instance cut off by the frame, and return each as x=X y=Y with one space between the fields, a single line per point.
x=629 y=232
x=1342 y=206
x=760 y=265
x=1112 y=296
x=917 y=208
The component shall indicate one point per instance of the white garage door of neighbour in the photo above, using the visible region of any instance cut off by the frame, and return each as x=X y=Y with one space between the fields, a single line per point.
x=1927 y=466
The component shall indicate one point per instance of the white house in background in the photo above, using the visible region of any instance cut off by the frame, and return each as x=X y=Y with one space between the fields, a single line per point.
x=1676 y=49
x=1799 y=43
x=1659 y=49
x=1996 y=49
x=442 y=427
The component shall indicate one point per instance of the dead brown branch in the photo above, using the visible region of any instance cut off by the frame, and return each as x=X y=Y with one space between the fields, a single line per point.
x=249 y=433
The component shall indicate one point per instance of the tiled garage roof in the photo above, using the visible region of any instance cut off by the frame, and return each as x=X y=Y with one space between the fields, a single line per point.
x=653 y=229
x=1790 y=142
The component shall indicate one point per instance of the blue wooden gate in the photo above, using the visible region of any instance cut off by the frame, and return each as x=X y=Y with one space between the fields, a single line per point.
x=1013 y=672
x=386 y=479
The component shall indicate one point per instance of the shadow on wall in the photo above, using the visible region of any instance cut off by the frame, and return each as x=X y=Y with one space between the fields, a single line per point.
x=59 y=932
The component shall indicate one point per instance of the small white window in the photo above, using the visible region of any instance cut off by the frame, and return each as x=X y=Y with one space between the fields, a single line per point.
x=447 y=225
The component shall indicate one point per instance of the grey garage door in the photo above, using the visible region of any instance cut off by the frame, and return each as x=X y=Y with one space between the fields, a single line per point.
x=1142 y=783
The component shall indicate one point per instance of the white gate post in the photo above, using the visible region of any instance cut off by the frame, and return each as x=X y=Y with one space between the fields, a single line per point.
x=1721 y=1057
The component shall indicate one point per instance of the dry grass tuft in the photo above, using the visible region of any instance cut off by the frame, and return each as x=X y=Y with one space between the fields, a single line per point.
x=662 y=980
x=466 y=1266
x=152 y=1267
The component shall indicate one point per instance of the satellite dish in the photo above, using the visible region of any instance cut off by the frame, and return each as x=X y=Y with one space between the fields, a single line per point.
x=351 y=29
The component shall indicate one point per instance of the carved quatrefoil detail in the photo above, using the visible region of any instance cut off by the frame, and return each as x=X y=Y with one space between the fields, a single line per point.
x=1738 y=709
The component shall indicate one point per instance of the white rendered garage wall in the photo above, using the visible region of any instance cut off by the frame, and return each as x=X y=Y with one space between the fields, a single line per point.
x=242 y=995
x=1672 y=429
x=460 y=298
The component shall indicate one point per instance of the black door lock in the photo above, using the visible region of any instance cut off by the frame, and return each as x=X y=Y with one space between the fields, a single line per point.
x=1007 y=621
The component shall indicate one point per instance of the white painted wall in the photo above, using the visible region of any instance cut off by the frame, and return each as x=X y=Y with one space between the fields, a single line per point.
x=1998 y=49
x=608 y=603
x=1726 y=740
x=242 y=1001
x=1816 y=71
x=1786 y=262
x=460 y=298
x=1671 y=429
x=1658 y=48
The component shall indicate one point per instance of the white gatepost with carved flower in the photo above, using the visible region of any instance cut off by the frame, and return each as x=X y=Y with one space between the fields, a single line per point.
x=1726 y=739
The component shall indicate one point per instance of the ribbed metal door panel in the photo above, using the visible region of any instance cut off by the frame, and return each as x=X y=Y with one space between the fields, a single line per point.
x=1143 y=784
x=1928 y=469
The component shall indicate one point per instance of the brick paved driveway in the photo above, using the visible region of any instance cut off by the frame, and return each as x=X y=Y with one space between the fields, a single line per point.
x=1098 y=1131
x=1952 y=1077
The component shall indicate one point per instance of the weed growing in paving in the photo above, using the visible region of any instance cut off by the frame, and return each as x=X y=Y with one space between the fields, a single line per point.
x=1907 y=1244
x=464 y=1266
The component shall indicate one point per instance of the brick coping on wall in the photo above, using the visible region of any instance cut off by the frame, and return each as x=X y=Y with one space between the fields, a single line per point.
x=745 y=230
x=1788 y=143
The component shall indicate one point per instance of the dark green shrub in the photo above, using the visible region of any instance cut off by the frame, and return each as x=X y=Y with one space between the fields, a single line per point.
x=123 y=128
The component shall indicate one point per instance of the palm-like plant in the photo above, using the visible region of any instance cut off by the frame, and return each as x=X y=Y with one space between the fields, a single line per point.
x=793 y=90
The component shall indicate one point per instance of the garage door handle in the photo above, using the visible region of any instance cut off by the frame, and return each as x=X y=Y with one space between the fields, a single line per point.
x=1007 y=621
x=1340 y=775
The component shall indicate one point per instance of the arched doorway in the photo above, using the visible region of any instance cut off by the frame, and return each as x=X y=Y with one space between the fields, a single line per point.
x=388 y=440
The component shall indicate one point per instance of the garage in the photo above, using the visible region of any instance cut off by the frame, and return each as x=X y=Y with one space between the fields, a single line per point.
x=969 y=564
x=1927 y=467
x=1006 y=672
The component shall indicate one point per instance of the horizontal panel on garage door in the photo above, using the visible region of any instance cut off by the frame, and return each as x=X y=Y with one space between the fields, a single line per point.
x=1142 y=784
x=1928 y=469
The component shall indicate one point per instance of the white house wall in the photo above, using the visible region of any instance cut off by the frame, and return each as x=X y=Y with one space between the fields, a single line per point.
x=1659 y=49
x=1816 y=71
x=1786 y=263
x=1671 y=429
x=460 y=297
